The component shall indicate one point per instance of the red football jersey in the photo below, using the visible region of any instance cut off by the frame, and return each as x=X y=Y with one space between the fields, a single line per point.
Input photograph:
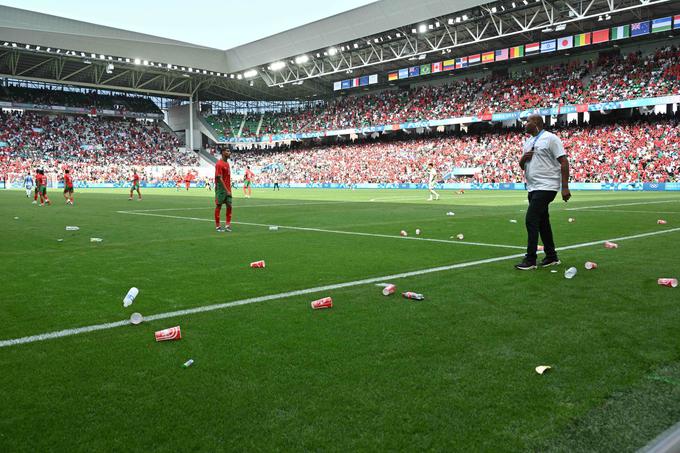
x=68 y=181
x=249 y=175
x=135 y=178
x=222 y=169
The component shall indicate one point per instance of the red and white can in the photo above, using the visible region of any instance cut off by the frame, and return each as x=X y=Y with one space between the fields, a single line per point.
x=590 y=265
x=389 y=289
x=326 y=302
x=257 y=264
x=661 y=222
x=173 y=333
x=670 y=282
x=611 y=245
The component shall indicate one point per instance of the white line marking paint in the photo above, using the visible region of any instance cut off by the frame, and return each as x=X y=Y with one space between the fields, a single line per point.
x=253 y=300
x=320 y=230
x=194 y=208
x=621 y=204
x=636 y=212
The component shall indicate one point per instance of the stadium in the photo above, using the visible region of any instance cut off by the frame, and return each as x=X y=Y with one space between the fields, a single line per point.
x=410 y=226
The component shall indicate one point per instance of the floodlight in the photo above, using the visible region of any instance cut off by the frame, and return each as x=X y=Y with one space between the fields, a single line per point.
x=302 y=59
x=250 y=73
x=277 y=65
x=422 y=28
x=332 y=51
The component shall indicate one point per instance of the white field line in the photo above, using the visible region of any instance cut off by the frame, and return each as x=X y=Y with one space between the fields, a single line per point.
x=620 y=204
x=317 y=289
x=321 y=230
x=640 y=212
x=239 y=206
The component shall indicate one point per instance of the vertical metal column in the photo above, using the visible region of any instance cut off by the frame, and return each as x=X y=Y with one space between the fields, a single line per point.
x=190 y=140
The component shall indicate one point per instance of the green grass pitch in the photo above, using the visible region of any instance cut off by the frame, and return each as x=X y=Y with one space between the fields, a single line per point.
x=454 y=372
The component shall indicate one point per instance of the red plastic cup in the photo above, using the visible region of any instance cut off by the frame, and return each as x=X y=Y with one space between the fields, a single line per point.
x=257 y=264
x=611 y=245
x=661 y=222
x=389 y=289
x=670 y=282
x=319 y=304
x=590 y=265
x=173 y=333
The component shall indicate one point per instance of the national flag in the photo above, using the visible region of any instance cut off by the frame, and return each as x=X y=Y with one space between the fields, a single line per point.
x=403 y=73
x=601 y=36
x=474 y=59
x=533 y=47
x=676 y=21
x=414 y=71
x=621 y=32
x=425 y=69
x=346 y=84
x=565 y=43
x=392 y=76
x=363 y=81
x=488 y=57
x=517 y=52
x=663 y=24
x=548 y=46
x=502 y=54
x=582 y=40
x=449 y=65
x=639 y=28
x=461 y=63
x=355 y=82
x=436 y=67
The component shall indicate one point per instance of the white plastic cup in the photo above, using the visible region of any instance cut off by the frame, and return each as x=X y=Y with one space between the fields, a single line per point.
x=513 y=221
x=571 y=220
x=136 y=318
x=460 y=237
x=569 y=273
x=72 y=228
x=273 y=228
x=130 y=297
x=96 y=240
x=590 y=265
x=403 y=233
x=661 y=222
x=611 y=245
x=417 y=231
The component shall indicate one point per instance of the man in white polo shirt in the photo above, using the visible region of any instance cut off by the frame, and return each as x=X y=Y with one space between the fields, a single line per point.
x=546 y=170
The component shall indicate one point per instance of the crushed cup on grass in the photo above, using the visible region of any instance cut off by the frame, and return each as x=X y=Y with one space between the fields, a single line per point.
x=611 y=245
x=257 y=264
x=570 y=273
x=72 y=228
x=590 y=265
x=322 y=303
x=670 y=282
x=542 y=369
x=389 y=289
x=661 y=222
x=172 y=333
x=403 y=233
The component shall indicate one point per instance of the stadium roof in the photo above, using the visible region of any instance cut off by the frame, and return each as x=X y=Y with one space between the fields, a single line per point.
x=375 y=38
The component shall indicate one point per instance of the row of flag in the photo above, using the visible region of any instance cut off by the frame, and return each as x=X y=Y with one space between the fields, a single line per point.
x=355 y=82
x=646 y=27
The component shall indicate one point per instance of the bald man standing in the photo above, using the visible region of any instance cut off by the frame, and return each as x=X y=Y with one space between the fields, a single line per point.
x=546 y=170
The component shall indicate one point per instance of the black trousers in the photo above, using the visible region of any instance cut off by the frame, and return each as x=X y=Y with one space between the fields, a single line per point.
x=538 y=222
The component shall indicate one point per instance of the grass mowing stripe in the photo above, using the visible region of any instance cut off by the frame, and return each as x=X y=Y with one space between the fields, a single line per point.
x=241 y=206
x=320 y=230
x=81 y=330
x=620 y=204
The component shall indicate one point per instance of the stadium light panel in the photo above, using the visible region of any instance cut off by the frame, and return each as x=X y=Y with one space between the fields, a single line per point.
x=102 y=57
x=422 y=28
x=413 y=30
x=457 y=20
x=302 y=59
x=250 y=73
x=356 y=46
x=465 y=17
x=239 y=76
x=231 y=76
x=93 y=55
x=437 y=24
x=138 y=61
x=450 y=21
x=431 y=27
x=82 y=54
x=58 y=50
x=398 y=35
x=494 y=10
x=14 y=44
x=145 y=62
x=277 y=66
x=37 y=48
x=332 y=51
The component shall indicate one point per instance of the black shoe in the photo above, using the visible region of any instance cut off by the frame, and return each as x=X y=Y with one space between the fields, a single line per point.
x=526 y=265
x=550 y=261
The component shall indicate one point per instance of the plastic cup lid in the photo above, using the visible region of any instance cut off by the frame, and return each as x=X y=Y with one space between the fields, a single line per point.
x=136 y=318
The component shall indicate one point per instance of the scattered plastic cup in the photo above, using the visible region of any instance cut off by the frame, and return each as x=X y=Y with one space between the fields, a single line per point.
x=513 y=221
x=172 y=333
x=16 y=218
x=670 y=282
x=569 y=273
x=96 y=240
x=188 y=363
x=403 y=233
x=257 y=264
x=413 y=295
x=389 y=289
x=611 y=245
x=660 y=222
x=450 y=213
x=72 y=228
x=130 y=297
x=273 y=228
x=542 y=369
x=572 y=220
x=417 y=231
x=460 y=237
x=590 y=265
x=325 y=302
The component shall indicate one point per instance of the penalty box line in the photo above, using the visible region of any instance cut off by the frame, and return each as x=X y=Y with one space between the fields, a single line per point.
x=208 y=308
x=321 y=230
